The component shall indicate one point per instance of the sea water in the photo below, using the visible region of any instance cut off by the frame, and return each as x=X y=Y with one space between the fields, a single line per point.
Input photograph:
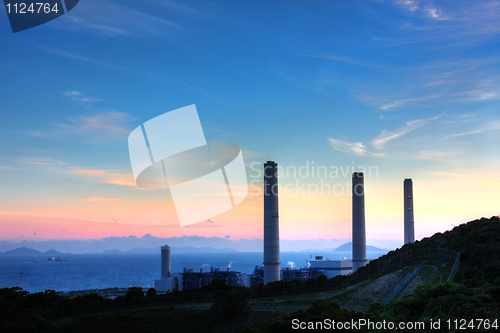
x=98 y=271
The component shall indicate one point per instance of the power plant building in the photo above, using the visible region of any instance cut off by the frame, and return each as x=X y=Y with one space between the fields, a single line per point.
x=409 y=226
x=271 y=224
x=358 y=221
x=330 y=267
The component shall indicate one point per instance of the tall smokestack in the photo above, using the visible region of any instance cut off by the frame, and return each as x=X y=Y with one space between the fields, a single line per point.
x=358 y=221
x=271 y=224
x=165 y=262
x=408 y=200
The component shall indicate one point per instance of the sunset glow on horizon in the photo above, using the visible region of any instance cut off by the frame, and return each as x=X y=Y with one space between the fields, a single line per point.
x=323 y=89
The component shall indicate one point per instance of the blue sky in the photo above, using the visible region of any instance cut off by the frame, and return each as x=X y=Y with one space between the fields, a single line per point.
x=412 y=87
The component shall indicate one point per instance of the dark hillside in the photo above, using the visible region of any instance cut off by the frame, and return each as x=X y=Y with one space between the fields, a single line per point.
x=478 y=242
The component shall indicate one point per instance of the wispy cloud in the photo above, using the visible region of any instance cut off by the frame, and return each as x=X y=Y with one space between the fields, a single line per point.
x=473 y=18
x=39 y=161
x=408 y=4
x=181 y=8
x=488 y=93
x=105 y=125
x=480 y=126
x=111 y=124
x=381 y=142
x=354 y=147
x=341 y=59
x=436 y=14
x=386 y=136
x=105 y=64
x=80 y=97
x=82 y=23
x=435 y=83
x=301 y=81
x=102 y=200
x=96 y=128
x=84 y=58
x=424 y=8
x=456 y=135
x=105 y=176
x=115 y=19
x=435 y=155
x=126 y=69
x=404 y=102
x=444 y=139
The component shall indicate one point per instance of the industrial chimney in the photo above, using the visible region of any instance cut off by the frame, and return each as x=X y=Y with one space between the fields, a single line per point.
x=358 y=221
x=271 y=224
x=408 y=203
x=165 y=262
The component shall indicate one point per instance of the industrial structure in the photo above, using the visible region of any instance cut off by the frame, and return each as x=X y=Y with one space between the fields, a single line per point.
x=165 y=262
x=194 y=280
x=409 y=228
x=271 y=224
x=358 y=221
x=330 y=267
x=270 y=271
x=167 y=282
x=291 y=273
x=190 y=279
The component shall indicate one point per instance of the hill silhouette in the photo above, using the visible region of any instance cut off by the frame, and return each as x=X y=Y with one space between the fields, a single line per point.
x=21 y=251
x=347 y=247
x=478 y=242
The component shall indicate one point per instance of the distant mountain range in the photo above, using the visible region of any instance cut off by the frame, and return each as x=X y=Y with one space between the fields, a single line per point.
x=347 y=247
x=182 y=249
x=205 y=249
x=22 y=251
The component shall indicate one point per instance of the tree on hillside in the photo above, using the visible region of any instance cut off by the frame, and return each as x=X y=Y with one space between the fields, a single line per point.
x=135 y=293
x=151 y=292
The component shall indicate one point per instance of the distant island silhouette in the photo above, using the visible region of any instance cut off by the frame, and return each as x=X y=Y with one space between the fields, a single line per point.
x=21 y=251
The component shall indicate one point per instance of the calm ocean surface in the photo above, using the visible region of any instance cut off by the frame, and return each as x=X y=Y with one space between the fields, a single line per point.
x=97 y=271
